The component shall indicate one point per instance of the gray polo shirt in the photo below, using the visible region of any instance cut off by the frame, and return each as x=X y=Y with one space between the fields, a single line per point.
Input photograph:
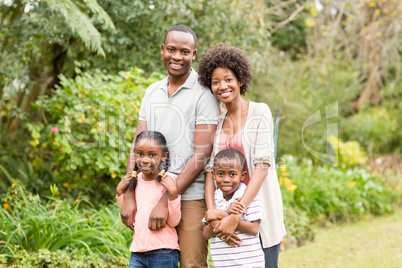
x=176 y=118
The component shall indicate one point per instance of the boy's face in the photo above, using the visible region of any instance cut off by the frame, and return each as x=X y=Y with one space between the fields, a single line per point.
x=178 y=53
x=228 y=174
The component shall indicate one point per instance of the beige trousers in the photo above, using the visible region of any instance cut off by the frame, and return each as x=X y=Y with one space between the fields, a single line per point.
x=193 y=246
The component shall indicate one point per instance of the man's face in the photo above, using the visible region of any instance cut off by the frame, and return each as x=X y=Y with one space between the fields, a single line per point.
x=178 y=52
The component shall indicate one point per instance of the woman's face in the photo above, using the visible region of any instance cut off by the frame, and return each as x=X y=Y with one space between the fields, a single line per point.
x=224 y=85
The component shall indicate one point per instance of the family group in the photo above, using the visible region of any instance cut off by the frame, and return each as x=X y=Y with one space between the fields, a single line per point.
x=194 y=173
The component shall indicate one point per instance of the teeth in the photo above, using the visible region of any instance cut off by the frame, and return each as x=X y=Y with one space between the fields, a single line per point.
x=175 y=65
x=225 y=94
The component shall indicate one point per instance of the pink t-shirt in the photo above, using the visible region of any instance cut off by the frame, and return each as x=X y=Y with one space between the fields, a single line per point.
x=233 y=142
x=147 y=195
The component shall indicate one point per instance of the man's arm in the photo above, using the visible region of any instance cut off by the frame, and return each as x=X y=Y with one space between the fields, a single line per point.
x=202 y=150
x=129 y=206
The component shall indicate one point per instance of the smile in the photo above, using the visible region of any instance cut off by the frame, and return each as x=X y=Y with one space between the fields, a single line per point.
x=176 y=66
x=225 y=94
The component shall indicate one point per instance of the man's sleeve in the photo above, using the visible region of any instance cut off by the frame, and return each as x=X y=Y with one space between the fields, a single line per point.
x=208 y=109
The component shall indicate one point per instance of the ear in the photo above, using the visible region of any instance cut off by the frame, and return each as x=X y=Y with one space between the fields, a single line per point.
x=243 y=176
x=240 y=84
x=162 y=49
x=164 y=156
x=194 y=53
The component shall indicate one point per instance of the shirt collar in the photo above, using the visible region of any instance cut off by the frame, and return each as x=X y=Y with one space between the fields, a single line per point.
x=191 y=80
x=239 y=193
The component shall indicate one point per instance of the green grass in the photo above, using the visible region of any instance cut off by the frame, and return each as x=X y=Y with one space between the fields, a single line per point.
x=369 y=243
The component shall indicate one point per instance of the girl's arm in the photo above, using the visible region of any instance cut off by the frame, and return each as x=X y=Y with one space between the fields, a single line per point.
x=123 y=184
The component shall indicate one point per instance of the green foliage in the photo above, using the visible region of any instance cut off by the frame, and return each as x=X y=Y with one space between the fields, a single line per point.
x=90 y=124
x=80 y=24
x=376 y=129
x=37 y=177
x=350 y=153
x=298 y=225
x=331 y=195
x=28 y=225
x=301 y=89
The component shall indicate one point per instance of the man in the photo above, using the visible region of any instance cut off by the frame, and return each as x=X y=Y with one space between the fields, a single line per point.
x=186 y=113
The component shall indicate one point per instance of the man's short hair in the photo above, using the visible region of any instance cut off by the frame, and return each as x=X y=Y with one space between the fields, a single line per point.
x=230 y=154
x=182 y=28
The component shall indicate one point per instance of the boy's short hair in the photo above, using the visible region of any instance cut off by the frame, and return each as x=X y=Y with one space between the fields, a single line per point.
x=231 y=154
x=182 y=28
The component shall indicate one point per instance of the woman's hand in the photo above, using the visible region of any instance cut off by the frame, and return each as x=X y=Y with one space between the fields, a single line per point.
x=236 y=208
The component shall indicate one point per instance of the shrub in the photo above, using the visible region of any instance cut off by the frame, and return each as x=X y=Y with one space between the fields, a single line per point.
x=90 y=124
x=329 y=194
x=28 y=225
x=349 y=153
x=376 y=129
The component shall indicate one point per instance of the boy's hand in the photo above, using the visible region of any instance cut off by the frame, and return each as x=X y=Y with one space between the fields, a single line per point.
x=215 y=214
x=123 y=184
x=169 y=183
x=236 y=208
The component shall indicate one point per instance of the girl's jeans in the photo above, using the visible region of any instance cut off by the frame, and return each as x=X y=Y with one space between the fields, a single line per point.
x=160 y=258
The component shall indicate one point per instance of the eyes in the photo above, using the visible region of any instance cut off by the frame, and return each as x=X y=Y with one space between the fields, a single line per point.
x=216 y=83
x=151 y=155
x=172 y=50
x=231 y=174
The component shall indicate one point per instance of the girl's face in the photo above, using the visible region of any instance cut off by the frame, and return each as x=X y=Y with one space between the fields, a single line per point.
x=148 y=156
x=224 y=85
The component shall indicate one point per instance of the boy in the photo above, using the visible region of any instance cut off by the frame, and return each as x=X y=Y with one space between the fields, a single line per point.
x=228 y=173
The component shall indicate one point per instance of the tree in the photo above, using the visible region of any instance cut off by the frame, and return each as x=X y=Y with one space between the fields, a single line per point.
x=35 y=40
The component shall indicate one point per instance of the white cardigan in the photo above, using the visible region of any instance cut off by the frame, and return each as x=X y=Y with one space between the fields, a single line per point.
x=258 y=143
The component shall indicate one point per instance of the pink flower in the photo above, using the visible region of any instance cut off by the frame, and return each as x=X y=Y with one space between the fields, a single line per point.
x=223 y=110
x=54 y=129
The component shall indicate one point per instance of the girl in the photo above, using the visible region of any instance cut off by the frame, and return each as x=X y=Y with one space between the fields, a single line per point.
x=152 y=248
x=247 y=127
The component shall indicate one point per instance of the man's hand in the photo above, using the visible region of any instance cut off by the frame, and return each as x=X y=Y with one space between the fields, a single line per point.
x=128 y=209
x=159 y=215
x=227 y=226
x=232 y=240
x=215 y=214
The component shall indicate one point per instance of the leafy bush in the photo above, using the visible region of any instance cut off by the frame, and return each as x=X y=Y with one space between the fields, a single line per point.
x=303 y=88
x=298 y=225
x=376 y=129
x=28 y=225
x=90 y=124
x=329 y=194
x=349 y=153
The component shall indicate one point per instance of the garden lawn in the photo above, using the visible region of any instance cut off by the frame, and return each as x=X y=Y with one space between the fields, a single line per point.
x=370 y=243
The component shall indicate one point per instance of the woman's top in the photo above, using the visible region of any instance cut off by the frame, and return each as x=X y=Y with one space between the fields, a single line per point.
x=147 y=195
x=233 y=142
x=258 y=144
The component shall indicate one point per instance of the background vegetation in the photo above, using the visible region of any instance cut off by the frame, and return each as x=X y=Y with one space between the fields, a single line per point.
x=73 y=73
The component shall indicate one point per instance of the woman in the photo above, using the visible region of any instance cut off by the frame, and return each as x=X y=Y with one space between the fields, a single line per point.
x=247 y=127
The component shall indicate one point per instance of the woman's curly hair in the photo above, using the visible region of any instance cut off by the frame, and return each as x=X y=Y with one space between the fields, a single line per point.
x=227 y=57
